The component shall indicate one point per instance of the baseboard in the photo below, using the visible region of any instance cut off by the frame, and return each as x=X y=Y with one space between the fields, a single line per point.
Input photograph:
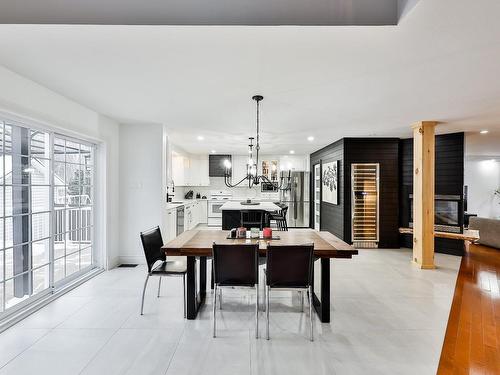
x=112 y=263
x=131 y=259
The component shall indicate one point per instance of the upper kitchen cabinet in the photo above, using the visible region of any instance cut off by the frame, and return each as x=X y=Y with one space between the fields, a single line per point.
x=239 y=167
x=216 y=165
x=190 y=170
x=180 y=169
x=294 y=163
x=199 y=171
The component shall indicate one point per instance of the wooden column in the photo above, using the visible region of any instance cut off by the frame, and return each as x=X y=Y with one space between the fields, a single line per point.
x=423 y=193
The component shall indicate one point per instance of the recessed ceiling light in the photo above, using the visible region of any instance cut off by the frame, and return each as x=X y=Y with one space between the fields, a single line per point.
x=200 y=138
x=213 y=151
x=310 y=138
x=292 y=152
x=484 y=132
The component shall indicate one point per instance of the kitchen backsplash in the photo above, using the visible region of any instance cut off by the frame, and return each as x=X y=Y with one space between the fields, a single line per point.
x=217 y=183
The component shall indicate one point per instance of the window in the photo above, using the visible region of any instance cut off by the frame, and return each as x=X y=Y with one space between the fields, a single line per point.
x=46 y=212
x=73 y=207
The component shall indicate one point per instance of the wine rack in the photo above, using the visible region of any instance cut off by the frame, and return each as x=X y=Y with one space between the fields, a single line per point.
x=365 y=204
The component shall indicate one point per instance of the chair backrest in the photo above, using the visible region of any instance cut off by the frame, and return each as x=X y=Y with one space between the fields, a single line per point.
x=235 y=264
x=289 y=266
x=251 y=218
x=152 y=243
x=284 y=210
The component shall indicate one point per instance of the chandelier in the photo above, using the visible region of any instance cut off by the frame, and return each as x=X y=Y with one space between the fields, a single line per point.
x=252 y=177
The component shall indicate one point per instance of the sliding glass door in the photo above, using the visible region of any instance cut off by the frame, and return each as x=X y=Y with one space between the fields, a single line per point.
x=46 y=212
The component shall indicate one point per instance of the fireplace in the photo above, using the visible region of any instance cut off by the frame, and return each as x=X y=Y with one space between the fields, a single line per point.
x=447 y=216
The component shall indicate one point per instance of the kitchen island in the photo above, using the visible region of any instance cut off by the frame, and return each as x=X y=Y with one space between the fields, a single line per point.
x=231 y=212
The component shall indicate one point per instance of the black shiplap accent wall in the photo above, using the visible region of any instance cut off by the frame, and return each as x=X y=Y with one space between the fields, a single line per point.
x=332 y=216
x=449 y=181
x=384 y=151
x=337 y=218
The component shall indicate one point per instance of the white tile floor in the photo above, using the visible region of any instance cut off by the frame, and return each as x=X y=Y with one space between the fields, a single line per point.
x=388 y=317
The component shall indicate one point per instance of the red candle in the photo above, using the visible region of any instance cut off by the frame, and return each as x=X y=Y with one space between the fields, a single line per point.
x=267 y=232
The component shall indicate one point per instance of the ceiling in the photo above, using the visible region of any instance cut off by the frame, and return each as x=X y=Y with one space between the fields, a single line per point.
x=441 y=62
x=201 y=12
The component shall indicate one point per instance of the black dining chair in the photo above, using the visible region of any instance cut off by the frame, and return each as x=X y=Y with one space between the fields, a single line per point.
x=236 y=265
x=157 y=263
x=290 y=267
x=280 y=218
x=252 y=219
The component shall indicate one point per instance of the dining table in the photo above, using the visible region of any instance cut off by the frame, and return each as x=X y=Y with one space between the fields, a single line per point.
x=196 y=246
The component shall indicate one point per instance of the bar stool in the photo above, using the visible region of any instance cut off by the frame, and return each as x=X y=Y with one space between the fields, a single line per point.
x=280 y=218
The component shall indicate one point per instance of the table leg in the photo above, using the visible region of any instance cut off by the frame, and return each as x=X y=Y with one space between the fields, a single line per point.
x=322 y=306
x=203 y=280
x=192 y=303
x=195 y=298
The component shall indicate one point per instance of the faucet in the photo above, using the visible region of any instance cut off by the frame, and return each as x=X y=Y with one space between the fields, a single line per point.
x=170 y=196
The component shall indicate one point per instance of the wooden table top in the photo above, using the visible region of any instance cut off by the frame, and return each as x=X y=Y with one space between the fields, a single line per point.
x=199 y=243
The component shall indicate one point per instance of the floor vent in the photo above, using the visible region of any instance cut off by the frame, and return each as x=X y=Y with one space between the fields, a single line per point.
x=365 y=245
x=127 y=265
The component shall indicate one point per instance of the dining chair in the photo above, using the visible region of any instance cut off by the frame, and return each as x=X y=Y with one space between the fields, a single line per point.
x=236 y=266
x=252 y=219
x=290 y=267
x=157 y=263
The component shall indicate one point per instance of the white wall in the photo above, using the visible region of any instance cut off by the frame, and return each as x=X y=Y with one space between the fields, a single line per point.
x=482 y=173
x=31 y=103
x=141 y=181
x=482 y=176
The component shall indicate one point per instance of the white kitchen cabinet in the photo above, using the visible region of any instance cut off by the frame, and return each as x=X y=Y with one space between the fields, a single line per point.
x=198 y=171
x=180 y=169
x=171 y=225
x=190 y=170
x=203 y=212
x=294 y=163
x=239 y=167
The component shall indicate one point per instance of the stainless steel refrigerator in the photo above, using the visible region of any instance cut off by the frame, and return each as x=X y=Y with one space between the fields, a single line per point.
x=297 y=199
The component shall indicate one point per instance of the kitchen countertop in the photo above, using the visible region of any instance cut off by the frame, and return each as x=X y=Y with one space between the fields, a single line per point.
x=263 y=206
x=183 y=202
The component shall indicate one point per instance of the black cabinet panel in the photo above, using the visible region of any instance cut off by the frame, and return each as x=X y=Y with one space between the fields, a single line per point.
x=332 y=216
x=385 y=152
x=216 y=166
x=395 y=157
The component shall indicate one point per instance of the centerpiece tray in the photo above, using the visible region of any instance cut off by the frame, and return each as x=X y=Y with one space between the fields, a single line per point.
x=274 y=238
x=249 y=203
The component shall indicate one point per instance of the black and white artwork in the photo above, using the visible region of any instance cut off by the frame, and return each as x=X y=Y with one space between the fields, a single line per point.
x=330 y=182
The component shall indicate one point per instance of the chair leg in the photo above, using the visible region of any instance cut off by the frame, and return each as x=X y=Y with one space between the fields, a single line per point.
x=185 y=293
x=143 y=293
x=264 y=290
x=220 y=298
x=214 y=307
x=212 y=277
x=311 y=312
x=159 y=286
x=267 y=312
x=301 y=296
x=257 y=311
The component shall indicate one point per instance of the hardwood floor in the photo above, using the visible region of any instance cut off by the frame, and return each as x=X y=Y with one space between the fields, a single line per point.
x=472 y=341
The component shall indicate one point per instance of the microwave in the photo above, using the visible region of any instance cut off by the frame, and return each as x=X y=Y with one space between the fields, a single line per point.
x=267 y=187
